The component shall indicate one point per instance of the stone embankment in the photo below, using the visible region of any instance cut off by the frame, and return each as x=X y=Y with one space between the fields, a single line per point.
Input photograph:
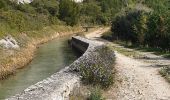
x=61 y=84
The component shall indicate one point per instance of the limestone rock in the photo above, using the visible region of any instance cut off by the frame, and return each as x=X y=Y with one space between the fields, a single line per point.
x=9 y=43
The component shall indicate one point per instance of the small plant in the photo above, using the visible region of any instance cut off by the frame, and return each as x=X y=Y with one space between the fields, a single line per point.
x=165 y=72
x=96 y=94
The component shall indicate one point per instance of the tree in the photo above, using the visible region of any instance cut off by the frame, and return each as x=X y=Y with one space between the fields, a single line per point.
x=2 y=4
x=44 y=6
x=69 y=12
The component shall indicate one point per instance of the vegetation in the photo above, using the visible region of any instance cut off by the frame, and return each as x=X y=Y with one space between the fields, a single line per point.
x=143 y=27
x=16 y=18
x=140 y=22
x=40 y=18
x=95 y=94
x=98 y=72
x=69 y=12
x=165 y=72
x=145 y=23
x=99 y=11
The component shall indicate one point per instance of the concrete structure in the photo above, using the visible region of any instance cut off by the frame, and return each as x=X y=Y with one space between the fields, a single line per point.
x=61 y=84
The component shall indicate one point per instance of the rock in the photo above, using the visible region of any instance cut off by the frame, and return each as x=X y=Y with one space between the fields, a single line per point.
x=22 y=1
x=9 y=43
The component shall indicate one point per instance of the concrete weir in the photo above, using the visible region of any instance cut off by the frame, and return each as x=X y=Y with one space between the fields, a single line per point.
x=60 y=85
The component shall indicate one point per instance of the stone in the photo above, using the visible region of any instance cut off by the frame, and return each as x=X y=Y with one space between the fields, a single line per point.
x=9 y=43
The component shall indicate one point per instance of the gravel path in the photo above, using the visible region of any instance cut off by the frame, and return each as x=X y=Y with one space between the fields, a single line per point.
x=137 y=79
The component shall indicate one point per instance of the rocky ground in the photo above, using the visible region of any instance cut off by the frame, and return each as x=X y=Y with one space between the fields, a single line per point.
x=137 y=76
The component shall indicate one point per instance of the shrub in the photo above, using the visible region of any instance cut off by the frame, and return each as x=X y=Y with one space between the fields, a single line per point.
x=145 y=27
x=99 y=71
x=130 y=26
x=69 y=12
x=97 y=74
x=165 y=72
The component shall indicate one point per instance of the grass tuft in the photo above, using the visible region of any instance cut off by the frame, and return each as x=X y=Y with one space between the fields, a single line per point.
x=96 y=94
x=165 y=72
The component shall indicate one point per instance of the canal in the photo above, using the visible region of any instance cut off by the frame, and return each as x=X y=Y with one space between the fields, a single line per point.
x=50 y=58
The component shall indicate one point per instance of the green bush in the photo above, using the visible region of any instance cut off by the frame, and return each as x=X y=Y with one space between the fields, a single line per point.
x=143 y=27
x=16 y=18
x=97 y=71
x=69 y=12
x=130 y=26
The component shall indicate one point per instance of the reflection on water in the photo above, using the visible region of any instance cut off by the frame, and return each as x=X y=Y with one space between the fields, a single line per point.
x=50 y=58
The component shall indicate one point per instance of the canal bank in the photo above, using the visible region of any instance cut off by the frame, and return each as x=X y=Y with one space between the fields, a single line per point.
x=60 y=85
x=49 y=58
x=29 y=41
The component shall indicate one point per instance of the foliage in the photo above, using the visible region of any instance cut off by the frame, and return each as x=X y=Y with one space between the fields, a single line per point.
x=2 y=4
x=46 y=6
x=90 y=11
x=24 y=17
x=69 y=12
x=97 y=72
x=158 y=35
x=100 y=11
x=48 y=12
x=130 y=26
x=145 y=28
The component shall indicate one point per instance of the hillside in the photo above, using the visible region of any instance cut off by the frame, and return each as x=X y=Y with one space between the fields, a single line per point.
x=29 y=1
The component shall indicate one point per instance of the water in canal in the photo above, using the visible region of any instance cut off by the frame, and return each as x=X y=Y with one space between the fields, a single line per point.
x=50 y=58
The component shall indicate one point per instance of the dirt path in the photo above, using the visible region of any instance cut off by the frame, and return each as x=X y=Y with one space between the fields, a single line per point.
x=138 y=79
x=97 y=33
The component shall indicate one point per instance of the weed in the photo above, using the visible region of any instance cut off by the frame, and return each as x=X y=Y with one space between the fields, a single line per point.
x=165 y=72
x=96 y=94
